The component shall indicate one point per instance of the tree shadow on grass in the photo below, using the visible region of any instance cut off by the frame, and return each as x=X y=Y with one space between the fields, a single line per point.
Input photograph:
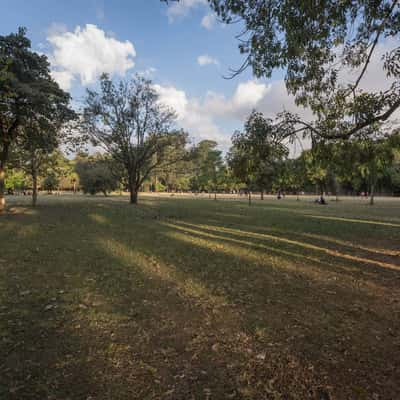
x=143 y=307
x=319 y=314
x=92 y=323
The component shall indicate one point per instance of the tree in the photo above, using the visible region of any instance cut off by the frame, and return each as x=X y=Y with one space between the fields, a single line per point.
x=208 y=167
x=316 y=42
x=394 y=173
x=257 y=152
x=170 y=175
x=129 y=123
x=50 y=182
x=213 y=170
x=372 y=158
x=96 y=175
x=15 y=180
x=28 y=95
x=316 y=167
x=33 y=153
x=294 y=175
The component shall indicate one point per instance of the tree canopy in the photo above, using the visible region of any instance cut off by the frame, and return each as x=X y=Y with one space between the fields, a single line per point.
x=257 y=152
x=314 y=43
x=127 y=120
x=97 y=174
x=31 y=102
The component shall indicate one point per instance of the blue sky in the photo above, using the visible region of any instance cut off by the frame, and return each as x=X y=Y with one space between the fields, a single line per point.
x=181 y=47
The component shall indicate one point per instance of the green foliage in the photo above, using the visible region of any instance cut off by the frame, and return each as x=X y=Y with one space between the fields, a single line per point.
x=371 y=159
x=16 y=180
x=50 y=182
x=257 y=153
x=208 y=167
x=394 y=173
x=127 y=120
x=314 y=43
x=174 y=172
x=32 y=106
x=96 y=175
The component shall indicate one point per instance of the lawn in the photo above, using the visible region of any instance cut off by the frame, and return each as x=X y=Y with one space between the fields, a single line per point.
x=183 y=299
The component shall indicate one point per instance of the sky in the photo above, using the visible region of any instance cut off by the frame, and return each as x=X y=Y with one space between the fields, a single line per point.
x=181 y=47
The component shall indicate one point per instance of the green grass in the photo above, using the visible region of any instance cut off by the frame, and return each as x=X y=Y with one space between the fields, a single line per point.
x=199 y=299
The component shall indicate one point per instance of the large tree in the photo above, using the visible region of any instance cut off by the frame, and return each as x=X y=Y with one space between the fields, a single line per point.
x=257 y=152
x=315 y=42
x=29 y=98
x=127 y=120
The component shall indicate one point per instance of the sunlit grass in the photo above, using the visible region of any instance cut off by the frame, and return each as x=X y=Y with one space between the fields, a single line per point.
x=307 y=246
x=359 y=221
x=281 y=300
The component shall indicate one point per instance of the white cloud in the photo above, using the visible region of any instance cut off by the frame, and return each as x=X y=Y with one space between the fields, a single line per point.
x=209 y=116
x=202 y=118
x=205 y=59
x=192 y=116
x=173 y=98
x=86 y=53
x=209 y=21
x=63 y=78
x=148 y=72
x=182 y=8
x=247 y=96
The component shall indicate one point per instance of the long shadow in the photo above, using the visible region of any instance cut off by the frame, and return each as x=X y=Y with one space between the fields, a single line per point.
x=309 y=266
x=315 y=249
x=141 y=309
x=292 y=221
x=106 y=330
x=350 y=318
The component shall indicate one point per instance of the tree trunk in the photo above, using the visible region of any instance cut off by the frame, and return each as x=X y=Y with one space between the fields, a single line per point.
x=322 y=193
x=215 y=195
x=34 y=187
x=133 y=186
x=298 y=197
x=133 y=194
x=371 y=195
x=249 y=198
x=336 y=190
x=262 y=194
x=2 y=190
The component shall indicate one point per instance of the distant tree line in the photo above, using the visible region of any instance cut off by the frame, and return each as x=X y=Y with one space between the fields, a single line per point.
x=258 y=161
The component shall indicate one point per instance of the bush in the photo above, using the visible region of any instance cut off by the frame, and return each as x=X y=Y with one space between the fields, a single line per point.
x=96 y=176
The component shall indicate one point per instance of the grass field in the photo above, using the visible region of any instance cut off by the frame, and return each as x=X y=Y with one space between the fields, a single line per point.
x=184 y=299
